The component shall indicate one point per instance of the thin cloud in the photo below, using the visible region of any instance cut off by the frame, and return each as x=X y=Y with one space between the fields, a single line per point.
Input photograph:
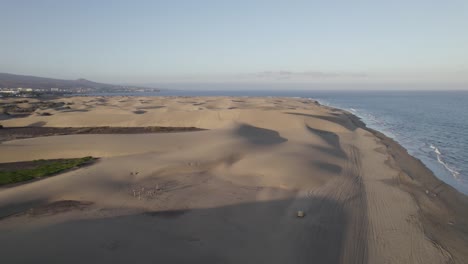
x=305 y=75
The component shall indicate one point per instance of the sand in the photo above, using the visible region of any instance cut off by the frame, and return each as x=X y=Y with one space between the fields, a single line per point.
x=229 y=193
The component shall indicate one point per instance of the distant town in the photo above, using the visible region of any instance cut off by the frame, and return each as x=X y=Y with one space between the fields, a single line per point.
x=54 y=91
x=12 y=85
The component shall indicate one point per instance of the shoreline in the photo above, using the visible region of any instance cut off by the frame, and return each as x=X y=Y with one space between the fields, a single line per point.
x=410 y=165
x=443 y=171
x=426 y=189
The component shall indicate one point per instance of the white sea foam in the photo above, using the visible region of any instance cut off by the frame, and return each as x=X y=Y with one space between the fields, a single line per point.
x=375 y=122
x=454 y=172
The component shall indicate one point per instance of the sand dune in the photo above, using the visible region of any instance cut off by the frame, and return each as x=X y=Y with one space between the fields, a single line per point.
x=226 y=194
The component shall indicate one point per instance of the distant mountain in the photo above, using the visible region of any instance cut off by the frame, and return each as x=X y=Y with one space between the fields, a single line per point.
x=15 y=81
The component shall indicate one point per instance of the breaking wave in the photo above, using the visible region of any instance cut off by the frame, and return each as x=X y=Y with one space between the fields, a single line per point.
x=454 y=172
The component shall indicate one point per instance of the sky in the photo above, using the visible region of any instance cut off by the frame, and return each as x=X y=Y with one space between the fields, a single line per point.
x=400 y=41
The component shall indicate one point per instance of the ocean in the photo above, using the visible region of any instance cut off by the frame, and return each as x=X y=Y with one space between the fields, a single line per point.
x=431 y=125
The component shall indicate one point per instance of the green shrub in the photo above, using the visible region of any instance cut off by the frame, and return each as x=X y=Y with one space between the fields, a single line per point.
x=44 y=168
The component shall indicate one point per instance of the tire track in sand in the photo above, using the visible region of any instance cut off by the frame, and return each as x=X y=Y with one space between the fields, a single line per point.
x=348 y=191
x=355 y=204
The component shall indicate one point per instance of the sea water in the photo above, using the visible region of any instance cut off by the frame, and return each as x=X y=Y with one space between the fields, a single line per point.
x=431 y=125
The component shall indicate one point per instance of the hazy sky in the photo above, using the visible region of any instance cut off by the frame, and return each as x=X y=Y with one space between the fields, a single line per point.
x=258 y=41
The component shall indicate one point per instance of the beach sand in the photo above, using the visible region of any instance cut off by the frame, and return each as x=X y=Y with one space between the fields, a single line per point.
x=229 y=193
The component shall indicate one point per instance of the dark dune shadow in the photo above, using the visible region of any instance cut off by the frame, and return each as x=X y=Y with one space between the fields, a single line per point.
x=257 y=232
x=328 y=167
x=139 y=112
x=7 y=116
x=336 y=152
x=57 y=207
x=75 y=110
x=4 y=116
x=10 y=133
x=167 y=214
x=341 y=120
x=37 y=124
x=17 y=208
x=331 y=138
x=259 y=136
x=151 y=107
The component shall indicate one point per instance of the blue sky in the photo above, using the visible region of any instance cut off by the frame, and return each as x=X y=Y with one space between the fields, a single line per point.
x=231 y=41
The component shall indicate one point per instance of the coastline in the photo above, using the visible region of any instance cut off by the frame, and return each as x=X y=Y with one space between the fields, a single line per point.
x=428 y=124
x=366 y=199
x=428 y=191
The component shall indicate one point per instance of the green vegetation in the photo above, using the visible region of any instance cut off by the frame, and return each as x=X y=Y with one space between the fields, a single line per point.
x=26 y=171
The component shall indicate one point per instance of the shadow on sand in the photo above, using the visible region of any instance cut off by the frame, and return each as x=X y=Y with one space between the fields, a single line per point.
x=258 y=232
x=259 y=136
x=332 y=139
x=341 y=120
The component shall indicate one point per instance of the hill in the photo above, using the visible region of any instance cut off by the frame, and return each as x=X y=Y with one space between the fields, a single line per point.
x=16 y=81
